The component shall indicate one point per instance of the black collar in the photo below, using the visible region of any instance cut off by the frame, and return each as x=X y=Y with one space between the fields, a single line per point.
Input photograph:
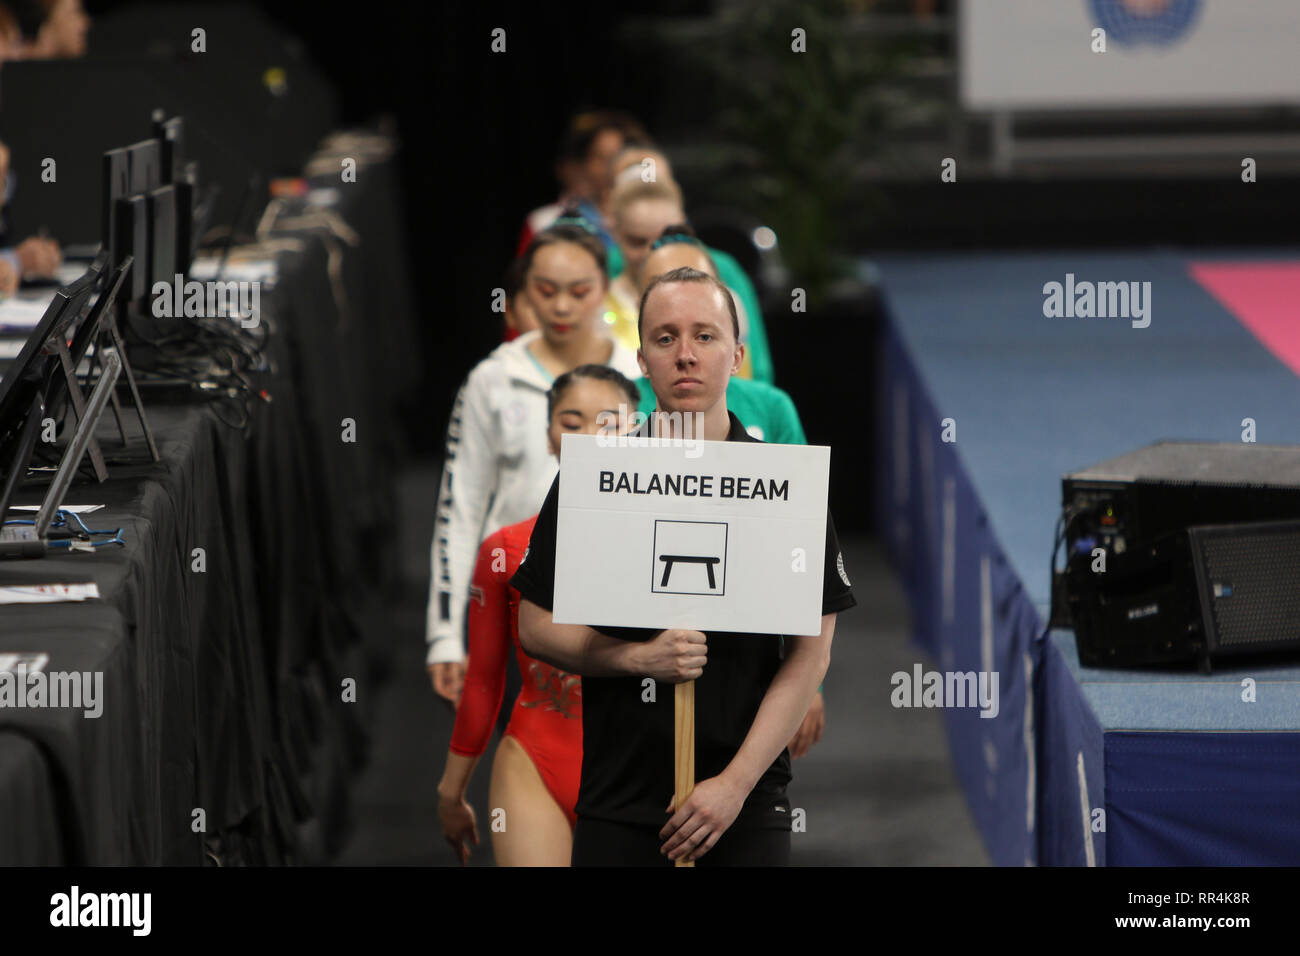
x=736 y=433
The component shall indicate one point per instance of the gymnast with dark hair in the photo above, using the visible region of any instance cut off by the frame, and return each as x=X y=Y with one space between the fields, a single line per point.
x=497 y=467
x=538 y=762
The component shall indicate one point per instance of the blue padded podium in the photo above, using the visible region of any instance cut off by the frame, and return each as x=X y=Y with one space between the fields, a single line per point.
x=1080 y=766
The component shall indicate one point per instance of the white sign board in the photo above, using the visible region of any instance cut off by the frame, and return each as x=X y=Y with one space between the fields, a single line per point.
x=1039 y=54
x=718 y=536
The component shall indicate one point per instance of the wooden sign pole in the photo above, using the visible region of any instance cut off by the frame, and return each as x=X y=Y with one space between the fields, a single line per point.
x=684 y=746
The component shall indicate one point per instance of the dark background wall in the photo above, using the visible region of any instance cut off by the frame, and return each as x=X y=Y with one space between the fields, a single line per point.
x=480 y=130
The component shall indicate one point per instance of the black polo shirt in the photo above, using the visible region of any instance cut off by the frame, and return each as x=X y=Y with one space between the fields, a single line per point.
x=627 y=760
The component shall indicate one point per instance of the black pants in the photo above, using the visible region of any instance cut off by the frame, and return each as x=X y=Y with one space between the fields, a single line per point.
x=602 y=843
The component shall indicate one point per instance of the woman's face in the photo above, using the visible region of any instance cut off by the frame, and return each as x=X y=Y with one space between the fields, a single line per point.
x=565 y=288
x=688 y=348
x=600 y=156
x=640 y=224
x=584 y=408
x=63 y=34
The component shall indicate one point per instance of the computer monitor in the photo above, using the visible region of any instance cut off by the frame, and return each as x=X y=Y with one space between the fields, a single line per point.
x=81 y=291
x=17 y=451
x=181 y=173
x=194 y=205
x=133 y=238
x=29 y=541
x=89 y=329
x=163 y=247
x=116 y=183
x=30 y=380
x=171 y=134
x=146 y=166
x=33 y=362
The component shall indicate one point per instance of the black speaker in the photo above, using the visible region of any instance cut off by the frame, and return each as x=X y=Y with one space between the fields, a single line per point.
x=1248 y=580
x=1172 y=521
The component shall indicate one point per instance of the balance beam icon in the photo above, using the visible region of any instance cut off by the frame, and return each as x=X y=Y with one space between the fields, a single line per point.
x=671 y=559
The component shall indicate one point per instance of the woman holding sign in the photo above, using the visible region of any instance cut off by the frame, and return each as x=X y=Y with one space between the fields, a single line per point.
x=536 y=769
x=752 y=690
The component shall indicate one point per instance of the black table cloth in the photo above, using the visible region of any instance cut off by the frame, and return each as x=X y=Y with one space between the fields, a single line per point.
x=225 y=733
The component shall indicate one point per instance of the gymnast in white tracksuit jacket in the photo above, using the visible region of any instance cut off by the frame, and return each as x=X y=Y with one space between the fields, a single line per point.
x=498 y=469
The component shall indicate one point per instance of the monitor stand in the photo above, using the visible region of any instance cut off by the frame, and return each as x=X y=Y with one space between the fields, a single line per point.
x=29 y=541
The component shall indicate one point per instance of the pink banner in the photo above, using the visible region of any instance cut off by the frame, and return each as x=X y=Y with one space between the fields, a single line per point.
x=1263 y=296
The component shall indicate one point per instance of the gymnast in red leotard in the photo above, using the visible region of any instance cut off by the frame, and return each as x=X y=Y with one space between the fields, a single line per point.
x=547 y=717
x=538 y=763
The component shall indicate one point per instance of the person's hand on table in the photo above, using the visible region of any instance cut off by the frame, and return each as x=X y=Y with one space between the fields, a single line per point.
x=711 y=808
x=810 y=731
x=674 y=656
x=459 y=825
x=8 y=278
x=39 y=256
x=449 y=680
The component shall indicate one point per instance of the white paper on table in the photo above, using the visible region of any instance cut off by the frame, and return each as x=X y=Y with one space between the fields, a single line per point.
x=23 y=313
x=69 y=271
x=32 y=661
x=75 y=509
x=47 y=594
x=236 y=270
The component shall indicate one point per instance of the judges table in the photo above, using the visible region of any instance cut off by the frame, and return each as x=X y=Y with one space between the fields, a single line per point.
x=231 y=625
x=985 y=403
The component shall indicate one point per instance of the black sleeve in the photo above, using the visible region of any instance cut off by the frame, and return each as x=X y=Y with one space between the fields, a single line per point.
x=837 y=595
x=535 y=577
